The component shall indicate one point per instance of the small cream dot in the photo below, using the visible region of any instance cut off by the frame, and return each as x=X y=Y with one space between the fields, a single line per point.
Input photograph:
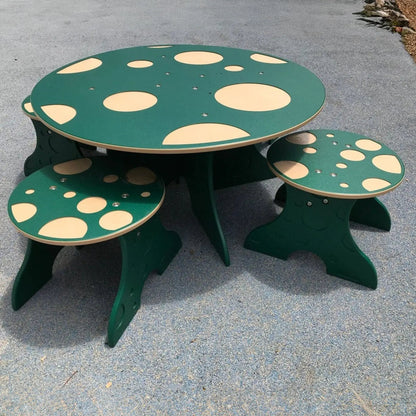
x=198 y=58
x=110 y=178
x=341 y=165
x=353 y=155
x=29 y=191
x=140 y=64
x=91 y=205
x=145 y=194
x=309 y=150
x=330 y=135
x=367 y=144
x=69 y=194
x=343 y=185
x=234 y=68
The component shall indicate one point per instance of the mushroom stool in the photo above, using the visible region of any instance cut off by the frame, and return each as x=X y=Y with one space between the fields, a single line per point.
x=87 y=201
x=325 y=173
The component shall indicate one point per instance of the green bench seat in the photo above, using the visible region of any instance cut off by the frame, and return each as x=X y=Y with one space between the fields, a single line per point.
x=86 y=201
x=325 y=173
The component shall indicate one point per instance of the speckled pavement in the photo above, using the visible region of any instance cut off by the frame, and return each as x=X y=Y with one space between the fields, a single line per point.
x=263 y=336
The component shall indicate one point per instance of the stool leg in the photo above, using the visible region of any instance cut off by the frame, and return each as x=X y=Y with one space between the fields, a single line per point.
x=51 y=148
x=145 y=249
x=319 y=225
x=35 y=271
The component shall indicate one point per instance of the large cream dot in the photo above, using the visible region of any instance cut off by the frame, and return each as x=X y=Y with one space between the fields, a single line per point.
x=204 y=133
x=291 y=169
x=252 y=97
x=198 y=58
x=82 y=66
x=353 y=155
x=341 y=165
x=388 y=163
x=69 y=194
x=367 y=144
x=310 y=150
x=301 y=138
x=65 y=227
x=59 y=112
x=374 y=184
x=141 y=176
x=110 y=178
x=91 y=205
x=73 y=167
x=23 y=211
x=140 y=64
x=115 y=220
x=266 y=59
x=130 y=101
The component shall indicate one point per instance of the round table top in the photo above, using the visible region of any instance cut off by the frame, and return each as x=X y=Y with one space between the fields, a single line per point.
x=177 y=98
x=84 y=201
x=336 y=163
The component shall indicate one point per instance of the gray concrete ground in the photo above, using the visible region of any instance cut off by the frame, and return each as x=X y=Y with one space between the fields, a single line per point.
x=263 y=336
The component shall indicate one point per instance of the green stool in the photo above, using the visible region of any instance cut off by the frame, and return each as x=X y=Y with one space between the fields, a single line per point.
x=87 y=201
x=325 y=173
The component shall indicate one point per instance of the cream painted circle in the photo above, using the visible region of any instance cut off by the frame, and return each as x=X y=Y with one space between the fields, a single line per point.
x=29 y=191
x=82 y=66
x=387 y=163
x=69 y=194
x=374 y=184
x=234 y=68
x=59 y=112
x=301 y=138
x=344 y=185
x=65 y=227
x=130 y=101
x=341 y=165
x=309 y=150
x=367 y=144
x=110 y=178
x=291 y=169
x=265 y=59
x=353 y=155
x=23 y=211
x=252 y=97
x=198 y=58
x=73 y=167
x=115 y=220
x=330 y=135
x=91 y=205
x=140 y=64
x=145 y=194
x=141 y=176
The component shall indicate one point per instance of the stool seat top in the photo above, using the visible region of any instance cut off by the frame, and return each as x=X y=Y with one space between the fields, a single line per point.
x=336 y=164
x=84 y=201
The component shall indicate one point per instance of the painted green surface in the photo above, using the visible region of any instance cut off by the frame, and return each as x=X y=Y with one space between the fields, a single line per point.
x=179 y=103
x=48 y=197
x=324 y=176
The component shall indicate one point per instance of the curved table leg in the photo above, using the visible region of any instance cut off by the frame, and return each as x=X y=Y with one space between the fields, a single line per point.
x=50 y=148
x=199 y=178
x=148 y=248
x=35 y=271
x=319 y=225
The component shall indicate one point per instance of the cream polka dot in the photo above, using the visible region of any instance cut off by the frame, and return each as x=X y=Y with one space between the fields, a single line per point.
x=330 y=135
x=145 y=194
x=198 y=58
x=204 y=133
x=252 y=97
x=110 y=178
x=353 y=155
x=59 y=112
x=29 y=191
x=91 y=205
x=130 y=101
x=82 y=66
x=23 y=211
x=344 y=185
x=293 y=170
x=388 y=163
x=341 y=165
x=367 y=144
x=266 y=59
x=141 y=176
x=65 y=227
x=374 y=184
x=140 y=64
x=309 y=150
x=301 y=138
x=115 y=220
x=69 y=194
x=73 y=167
x=28 y=107
x=234 y=68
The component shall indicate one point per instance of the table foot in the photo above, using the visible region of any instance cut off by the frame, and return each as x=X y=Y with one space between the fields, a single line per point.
x=51 y=148
x=319 y=225
x=35 y=271
x=239 y=166
x=148 y=248
x=199 y=178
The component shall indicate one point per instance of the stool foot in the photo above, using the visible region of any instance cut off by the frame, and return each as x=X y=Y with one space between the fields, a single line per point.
x=35 y=271
x=51 y=148
x=148 y=248
x=319 y=225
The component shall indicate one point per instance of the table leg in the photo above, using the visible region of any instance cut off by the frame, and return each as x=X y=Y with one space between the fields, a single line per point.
x=199 y=178
x=319 y=225
x=35 y=271
x=148 y=248
x=51 y=148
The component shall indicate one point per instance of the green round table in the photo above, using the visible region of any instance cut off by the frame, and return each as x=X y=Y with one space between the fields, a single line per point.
x=185 y=102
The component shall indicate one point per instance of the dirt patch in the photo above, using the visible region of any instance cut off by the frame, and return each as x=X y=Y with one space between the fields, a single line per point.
x=408 y=8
